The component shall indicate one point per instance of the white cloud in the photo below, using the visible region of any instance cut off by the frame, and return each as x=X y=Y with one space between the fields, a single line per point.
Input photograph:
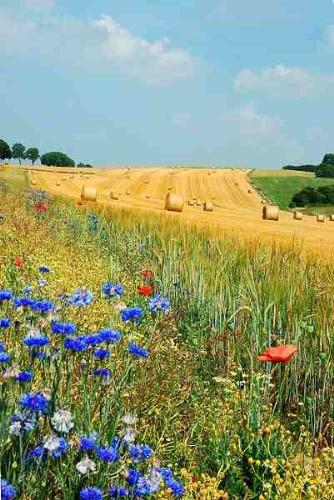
x=102 y=44
x=251 y=124
x=284 y=81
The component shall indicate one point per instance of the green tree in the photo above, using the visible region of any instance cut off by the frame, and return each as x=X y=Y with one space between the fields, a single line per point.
x=328 y=159
x=32 y=154
x=325 y=170
x=18 y=151
x=5 y=151
x=57 y=159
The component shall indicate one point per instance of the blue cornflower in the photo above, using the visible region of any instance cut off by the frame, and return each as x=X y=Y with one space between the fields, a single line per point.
x=44 y=269
x=112 y=290
x=132 y=314
x=2 y=347
x=91 y=494
x=4 y=357
x=76 y=343
x=118 y=492
x=5 y=295
x=7 y=490
x=109 y=335
x=140 y=452
x=24 y=376
x=63 y=328
x=164 y=473
x=80 y=298
x=176 y=487
x=133 y=476
x=5 y=322
x=22 y=302
x=42 y=306
x=147 y=485
x=101 y=353
x=93 y=340
x=137 y=351
x=87 y=443
x=27 y=290
x=107 y=454
x=38 y=452
x=105 y=373
x=56 y=446
x=22 y=421
x=159 y=303
x=36 y=340
x=35 y=401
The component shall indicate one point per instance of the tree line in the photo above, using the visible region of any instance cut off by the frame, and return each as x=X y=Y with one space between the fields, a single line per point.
x=54 y=158
x=322 y=195
x=324 y=169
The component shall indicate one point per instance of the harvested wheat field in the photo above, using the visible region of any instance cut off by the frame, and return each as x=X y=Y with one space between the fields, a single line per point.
x=237 y=206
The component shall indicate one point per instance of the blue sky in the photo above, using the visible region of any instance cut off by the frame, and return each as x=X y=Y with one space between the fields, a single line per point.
x=193 y=82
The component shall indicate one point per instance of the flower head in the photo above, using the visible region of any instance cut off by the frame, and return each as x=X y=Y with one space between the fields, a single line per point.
x=118 y=492
x=140 y=452
x=5 y=295
x=91 y=494
x=88 y=443
x=145 y=290
x=280 y=354
x=63 y=328
x=7 y=490
x=132 y=314
x=159 y=303
x=80 y=298
x=18 y=262
x=137 y=351
x=112 y=290
x=35 y=401
x=86 y=465
x=56 y=446
x=109 y=335
x=22 y=421
x=44 y=269
x=5 y=322
x=36 y=340
x=101 y=353
x=104 y=373
x=62 y=421
x=4 y=357
x=107 y=454
x=24 y=376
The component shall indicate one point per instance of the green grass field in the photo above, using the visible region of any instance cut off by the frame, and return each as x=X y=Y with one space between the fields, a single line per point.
x=280 y=186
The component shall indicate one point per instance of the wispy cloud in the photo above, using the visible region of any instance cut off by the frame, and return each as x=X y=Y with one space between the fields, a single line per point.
x=100 y=44
x=285 y=81
x=251 y=124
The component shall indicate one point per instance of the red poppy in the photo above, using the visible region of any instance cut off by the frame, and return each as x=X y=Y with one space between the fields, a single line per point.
x=280 y=354
x=41 y=207
x=147 y=274
x=145 y=290
x=18 y=262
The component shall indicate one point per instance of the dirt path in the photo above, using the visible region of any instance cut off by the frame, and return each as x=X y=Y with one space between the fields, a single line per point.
x=236 y=208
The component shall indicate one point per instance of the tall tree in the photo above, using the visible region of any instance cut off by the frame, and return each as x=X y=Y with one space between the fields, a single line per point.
x=5 y=151
x=18 y=151
x=57 y=159
x=32 y=154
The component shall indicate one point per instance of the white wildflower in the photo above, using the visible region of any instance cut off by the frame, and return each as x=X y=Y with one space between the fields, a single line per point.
x=86 y=465
x=62 y=421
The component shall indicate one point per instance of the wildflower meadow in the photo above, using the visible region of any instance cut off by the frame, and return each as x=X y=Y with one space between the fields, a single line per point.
x=142 y=359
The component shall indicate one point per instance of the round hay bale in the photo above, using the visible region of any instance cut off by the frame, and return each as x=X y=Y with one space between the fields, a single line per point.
x=148 y=196
x=58 y=183
x=320 y=218
x=270 y=212
x=33 y=182
x=113 y=195
x=331 y=217
x=88 y=193
x=79 y=202
x=128 y=192
x=250 y=191
x=169 y=188
x=64 y=178
x=199 y=203
x=263 y=202
x=208 y=206
x=72 y=176
x=174 y=203
x=297 y=215
x=213 y=197
x=147 y=181
x=191 y=203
